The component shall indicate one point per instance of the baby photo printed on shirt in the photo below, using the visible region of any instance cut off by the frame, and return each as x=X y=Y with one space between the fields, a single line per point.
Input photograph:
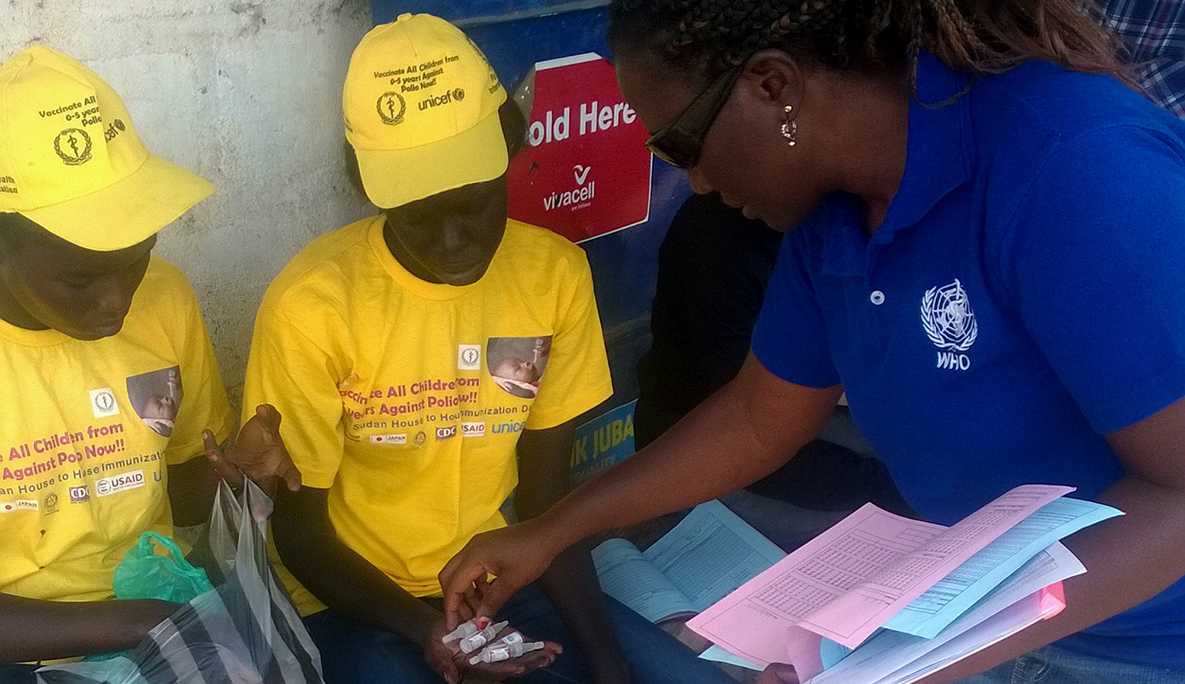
x=156 y=398
x=517 y=363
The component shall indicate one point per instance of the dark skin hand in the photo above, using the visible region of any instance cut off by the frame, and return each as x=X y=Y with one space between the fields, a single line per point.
x=571 y=581
x=66 y=630
x=191 y=492
x=72 y=629
x=758 y=417
x=258 y=453
x=350 y=585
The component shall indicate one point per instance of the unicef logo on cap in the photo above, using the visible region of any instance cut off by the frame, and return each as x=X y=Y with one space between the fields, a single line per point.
x=73 y=146
x=391 y=107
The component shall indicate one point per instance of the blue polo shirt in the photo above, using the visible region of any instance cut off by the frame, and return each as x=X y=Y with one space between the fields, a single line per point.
x=1022 y=300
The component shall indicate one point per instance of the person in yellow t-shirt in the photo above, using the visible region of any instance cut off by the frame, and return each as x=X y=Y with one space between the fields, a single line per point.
x=430 y=362
x=109 y=375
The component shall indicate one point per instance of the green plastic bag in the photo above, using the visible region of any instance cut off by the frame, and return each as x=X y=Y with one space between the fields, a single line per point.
x=145 y=574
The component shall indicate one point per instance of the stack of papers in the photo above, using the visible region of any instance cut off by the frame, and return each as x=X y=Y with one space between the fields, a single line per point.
x=882 y=598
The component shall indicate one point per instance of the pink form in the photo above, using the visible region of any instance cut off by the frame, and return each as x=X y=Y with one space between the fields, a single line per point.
x=853 y=578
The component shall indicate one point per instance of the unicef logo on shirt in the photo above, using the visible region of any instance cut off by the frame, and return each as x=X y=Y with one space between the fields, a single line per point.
x=949 y=322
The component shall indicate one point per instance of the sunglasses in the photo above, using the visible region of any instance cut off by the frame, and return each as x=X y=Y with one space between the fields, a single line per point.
x=682 y=141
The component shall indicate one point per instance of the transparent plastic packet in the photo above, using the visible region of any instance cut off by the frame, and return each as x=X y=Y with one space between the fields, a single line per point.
x=244 y=631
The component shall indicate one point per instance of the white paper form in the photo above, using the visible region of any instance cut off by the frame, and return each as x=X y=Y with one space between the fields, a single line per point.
x=951 y=596
x=891 y=652
x=853 y=617
x=852 y=579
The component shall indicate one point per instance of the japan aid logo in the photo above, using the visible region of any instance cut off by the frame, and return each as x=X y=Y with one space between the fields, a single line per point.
x=19 y=505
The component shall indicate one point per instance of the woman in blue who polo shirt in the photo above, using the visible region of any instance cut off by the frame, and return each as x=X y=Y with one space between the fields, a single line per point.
x=986 y=251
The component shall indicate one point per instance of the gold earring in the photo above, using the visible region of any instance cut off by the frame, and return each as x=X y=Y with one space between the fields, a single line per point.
x=790 y=126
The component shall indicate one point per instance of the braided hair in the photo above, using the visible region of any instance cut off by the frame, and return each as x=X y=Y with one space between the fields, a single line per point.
x=702 y=38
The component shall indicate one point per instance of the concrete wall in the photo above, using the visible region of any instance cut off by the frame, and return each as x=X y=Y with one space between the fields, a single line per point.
x=246 y=93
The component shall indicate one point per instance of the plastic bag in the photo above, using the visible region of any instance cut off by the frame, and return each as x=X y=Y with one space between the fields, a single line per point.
x=245 y=631
x=145 y=574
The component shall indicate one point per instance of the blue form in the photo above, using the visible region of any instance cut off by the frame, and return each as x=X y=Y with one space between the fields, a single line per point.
x=958 y=592
x=703 y=559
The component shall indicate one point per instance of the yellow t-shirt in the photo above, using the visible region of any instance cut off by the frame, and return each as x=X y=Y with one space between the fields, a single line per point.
x=406 y=399
x=85 y=435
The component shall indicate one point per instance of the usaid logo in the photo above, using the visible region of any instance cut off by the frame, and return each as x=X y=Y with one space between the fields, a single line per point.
x=443 y=433
x=120 y=483
x=469 y=430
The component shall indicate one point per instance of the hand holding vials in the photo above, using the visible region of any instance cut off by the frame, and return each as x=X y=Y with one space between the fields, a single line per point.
x=475 y=641
x=511 y=646
x=480 y=633
x=466 y=629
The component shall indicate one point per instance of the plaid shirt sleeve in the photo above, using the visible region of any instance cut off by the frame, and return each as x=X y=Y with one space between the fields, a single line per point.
x=1154 y=32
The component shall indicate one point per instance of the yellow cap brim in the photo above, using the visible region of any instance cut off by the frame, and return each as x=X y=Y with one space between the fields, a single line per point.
x=393 y=178
x=128 y=212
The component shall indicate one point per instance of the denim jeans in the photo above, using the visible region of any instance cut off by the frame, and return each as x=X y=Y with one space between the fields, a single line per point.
x=1057 y=665
x=352 y=652
x=17 y=674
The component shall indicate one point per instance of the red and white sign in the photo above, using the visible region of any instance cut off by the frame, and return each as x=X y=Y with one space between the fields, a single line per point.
x=585 y=171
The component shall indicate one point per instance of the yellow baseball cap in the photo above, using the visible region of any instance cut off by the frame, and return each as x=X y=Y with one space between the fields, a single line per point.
x=71 y=161
x=421 y=105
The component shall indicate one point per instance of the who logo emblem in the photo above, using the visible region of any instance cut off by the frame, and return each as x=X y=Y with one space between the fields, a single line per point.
x=949 y=323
